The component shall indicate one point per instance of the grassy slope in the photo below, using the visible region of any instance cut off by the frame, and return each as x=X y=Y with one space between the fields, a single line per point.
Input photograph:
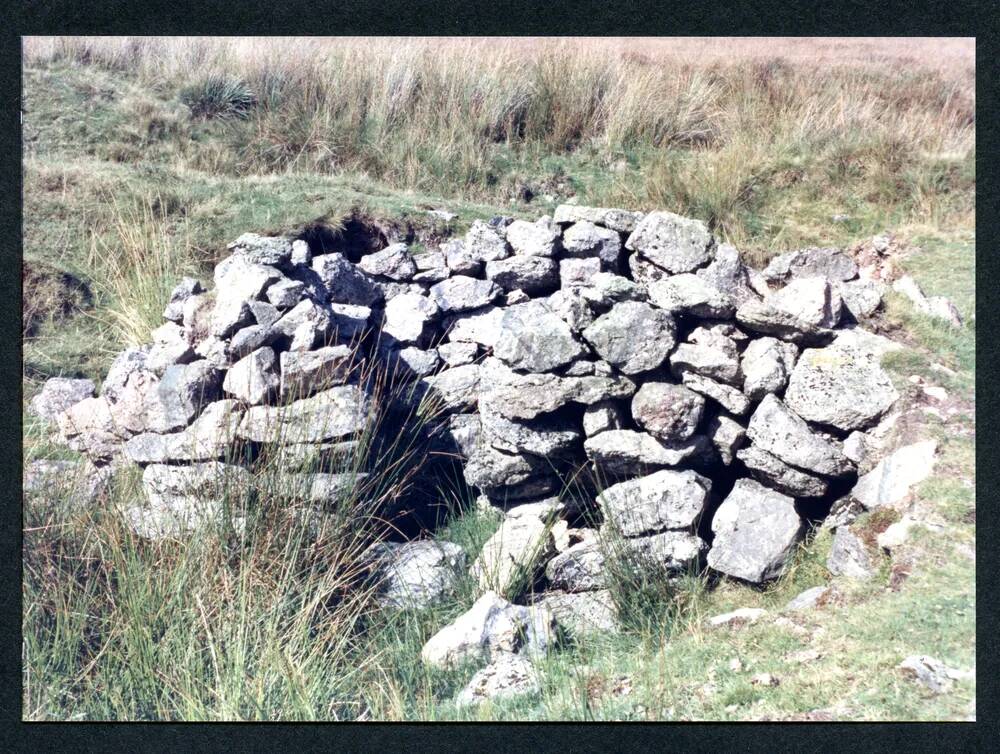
x=94 y=135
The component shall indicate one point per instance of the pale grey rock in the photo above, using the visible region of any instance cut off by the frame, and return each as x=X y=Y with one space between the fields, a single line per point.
x=677 y=244
x=775 y=473
x=301 y=253
x=531 y=274
x=537 y=239
x=58 y=394
x=627 y=451
x=66 y=485
x=197 y=316
x=862 y=298
x=726 y=396
x=229 y=315
x=306 y=372
x=723 y=336
x=929 y=672
x=432 y=267
x=394 y=262
x=215 y=352
x=644 y=272
x=706 y=361
x=606 y=289
x=583 y=613
x=779 y=431
x=148 y=404
x=662 y=500
x=89 y=426
x=461 y=293
x=459 y=260
x=348 y=322
x=463 y=431
x=727 y=435
x=210 y=437
x=506 y=677
x=415 y=575
x=766 y=365
x=308 y=320
x=534 y=339
x=409 y=316
x=264 y=313
x=601 y=417
x=676 y=552
x=762 y=317
x=839 y=387
x=832 y=264
x=170 y=346
x=485 y=244
x=345 y=283
x=182 y=292
x=545 y=436
x=285 y=293
x=739 y=617
x=458 y=353
x=457 y=388
x=893 y=477
x=580 y=568
x=413 y=362
x=511 y=559
x=489 y=468
x=727 y=273
x=490 y=627
x=584 y=239
x=272 y=250
x=849 y=557
x=632 y=336
x=670 y=412
x=481 y=326
x=621 y=220
x=311 y=456
x=516 y=296
x=253 y=379
x=332 y=414
x=247 y=340
x=239 y=278
x=128 y=361
x=572 y=308
x=756 y=531
x=577 y=273
x=809 y=299
x=807 y=599
x=691 y=295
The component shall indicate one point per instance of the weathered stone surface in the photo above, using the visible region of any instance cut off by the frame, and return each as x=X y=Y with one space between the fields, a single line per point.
x=306 y=372
x=584 y=239
x=329 y=415
x=812 y=300
x=756 y=531
x=412 y=362
x=893 y=477
x=525 y=396
x=623 y=221
x=777 y=430
x=675 y=552
x=832 y=264
x=766 y=365
x=576 y=273
x=484 y=243
x=775 y=473
x=532 y=274
x=849 y=557
x=509 y=675
x=408 y=317
x=632 y=336
x=432 y=267
x=459 y=260
x=345 y=283
x=197 y=317
x=840 y=387
x=707 y=361
x=481 y=326
x=534 y=339
x=239 y=278
x=248 y=339
x=458 y=353
x=930 y=673
x=416 y=574
x=182 y=292
x=675 y=243
x=728 y=274
x=285 y=293
x=537 y=239
x=463 y=431
x=264 y=313
x=606 y=289
x=58 y=394
x=66 y=485
x=348 y=322
x=461 y=293
x=307 y=321
x=301 y=253
x=571 y=307
x=490 y=627
x=662 y=500
x=644 y=272
x=272 y=250
x=229 y=315
x=807 y=599
x=726 y=396
x=457 y=388
x=125 y=364
x=583 y=613
x=545 y=436
x=762 y=317
x=727 y=435
x=580 y=568
x=511 y=559
x=627 y=451
x=253 y=379
x=394 y=262
x=148 y=404
x=862 y=298
x=89 y=426
x=691 y=295
x=602 y=416
x=670 y=412
x=210 y=437
x=489 y=468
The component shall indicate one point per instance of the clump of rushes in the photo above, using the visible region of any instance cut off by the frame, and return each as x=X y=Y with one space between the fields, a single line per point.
x=219 y=95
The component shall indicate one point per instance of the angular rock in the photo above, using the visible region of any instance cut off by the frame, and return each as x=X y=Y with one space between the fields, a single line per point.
x=675 y=552
x=432 y=267
x=670 y=412
x=677 y=244
x=485 y=243
x=459 y=259
x=849 y=557
x=577 y=273
x=170 y=403
x=463 y=432
x=691 y=295
x=461 y=293
x=89 y=426
x=489 y=468
x=348 y=322
x=621 y=220
x=756 y=531
x=583 y=613
x=929 y=672
x=265 y=314
x=775 y=473
x=762 y=317
x=545 y=436
x=182 y=292
x=726 y=396
x=394 y=262
x=537 y=239
x=607 y=288
x=580 y=568
x=345 y=283
x=832 y=264
x=228 y=315
x=511 y=559
x=862 y=298
x=812 y=300
x=727 y=435
x=301 y=253
x=894 y=476
x=728 y=274
x=248 y=339
x=602 y=416
x=285 y=293
x=253 y=379
x=808 y=599
x=571 y=307
x=413 y=362
x=66 y=485
x=58 y=394
x=272 y=250
x=490 y=627
x=839 y=387
x=409 y=316
x=626 y=451
x=632 y=336
x=416 y=574
x=329 y=415
x=458 y=353
x=707 y=361
x=766 y=365
x=306 y=372
x=662 y=500
x=777 y=430
x=481 y=326
x=210 y=437
x=534 y=339
x=509 y=675
x=457 y=388
x=531 y=274
x=584 y=239
x=125 y=364
x=308 y=321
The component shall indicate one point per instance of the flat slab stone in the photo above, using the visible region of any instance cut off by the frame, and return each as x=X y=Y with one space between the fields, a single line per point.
x=332 y=414
x=674 y=243
x=894 y=476
x=663 y=500
x=777 y=430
